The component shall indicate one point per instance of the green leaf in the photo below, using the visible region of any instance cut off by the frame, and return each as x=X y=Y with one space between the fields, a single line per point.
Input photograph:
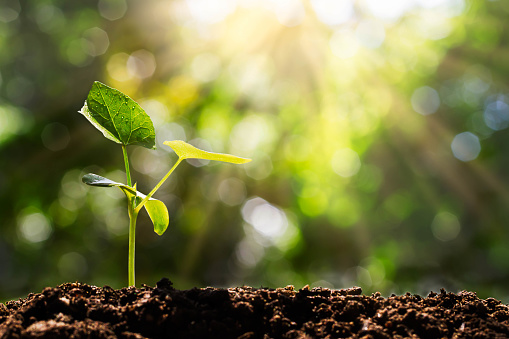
x=156 y=209
x=187 y=151
x=157 y=212
x=118 y=117
x=96 y=180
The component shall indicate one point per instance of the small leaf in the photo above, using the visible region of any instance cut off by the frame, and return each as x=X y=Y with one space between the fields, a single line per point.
x=158 y=213
x=156 y=209
x=187 y=151
x=96 y=180
x=118 y=117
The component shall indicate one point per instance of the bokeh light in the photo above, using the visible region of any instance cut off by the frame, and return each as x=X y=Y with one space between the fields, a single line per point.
x=496 y=113
x=266 y=219
x=34 y=226
x=445 y=226
x=346 y=162
x=112 y=9
x=425 y=100
x=466 y=146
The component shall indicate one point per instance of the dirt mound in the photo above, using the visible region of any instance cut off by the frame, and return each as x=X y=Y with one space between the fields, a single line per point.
x=83 y=311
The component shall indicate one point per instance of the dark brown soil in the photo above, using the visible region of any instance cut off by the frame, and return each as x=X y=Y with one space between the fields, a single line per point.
x=76 y=310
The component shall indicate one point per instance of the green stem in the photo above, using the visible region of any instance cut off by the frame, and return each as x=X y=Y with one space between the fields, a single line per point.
x=126 y=161
x=133 y=215
x=144 y=201
x=132 y=233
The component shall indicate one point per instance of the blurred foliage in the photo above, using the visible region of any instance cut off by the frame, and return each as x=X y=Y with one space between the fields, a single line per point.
x=378 y=136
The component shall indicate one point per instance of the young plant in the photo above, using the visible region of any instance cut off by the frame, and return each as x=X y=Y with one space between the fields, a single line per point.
x=123 y=121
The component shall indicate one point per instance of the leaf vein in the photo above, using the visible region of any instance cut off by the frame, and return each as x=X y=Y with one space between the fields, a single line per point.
x=109 y=113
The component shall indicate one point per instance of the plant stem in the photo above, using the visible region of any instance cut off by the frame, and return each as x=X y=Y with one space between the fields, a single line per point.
x=133 y=215
x=140 y=205
x=132 y=233
x=126 y=161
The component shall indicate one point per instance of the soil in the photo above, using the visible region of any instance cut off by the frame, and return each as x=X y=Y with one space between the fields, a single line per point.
x=76 y=310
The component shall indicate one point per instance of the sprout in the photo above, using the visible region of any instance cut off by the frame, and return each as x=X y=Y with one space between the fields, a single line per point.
x=123 y=121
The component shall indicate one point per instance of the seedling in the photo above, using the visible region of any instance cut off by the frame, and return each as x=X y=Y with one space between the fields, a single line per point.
x=123 y=121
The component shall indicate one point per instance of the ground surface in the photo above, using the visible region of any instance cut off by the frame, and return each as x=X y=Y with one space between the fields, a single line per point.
x=83 y=311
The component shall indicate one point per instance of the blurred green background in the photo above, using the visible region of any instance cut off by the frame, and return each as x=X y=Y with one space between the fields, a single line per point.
x=377 y=129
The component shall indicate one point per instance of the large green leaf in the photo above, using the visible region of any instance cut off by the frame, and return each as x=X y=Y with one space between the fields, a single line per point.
x=118 y=116
x=187 y=151
x=156 y=209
